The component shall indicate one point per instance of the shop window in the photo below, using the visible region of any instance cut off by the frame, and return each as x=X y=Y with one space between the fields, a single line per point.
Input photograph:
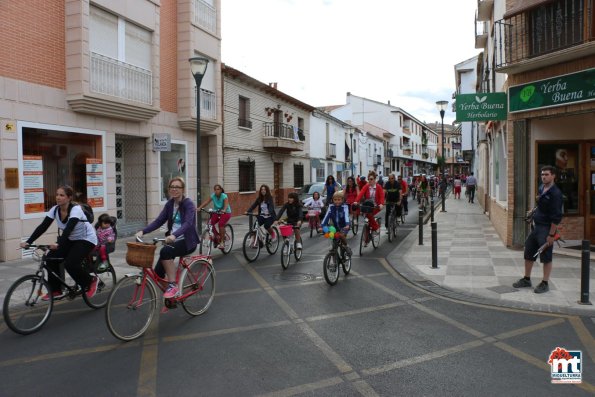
x=565 y=158
x=298 y=175
x=52 y=158
x=247 y=176
x=172 y=164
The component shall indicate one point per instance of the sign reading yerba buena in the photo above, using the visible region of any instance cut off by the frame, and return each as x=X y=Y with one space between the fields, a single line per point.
x=481 y=106
x=557 y=91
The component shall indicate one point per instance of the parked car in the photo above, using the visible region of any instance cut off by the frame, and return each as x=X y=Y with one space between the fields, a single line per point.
x=308 y=190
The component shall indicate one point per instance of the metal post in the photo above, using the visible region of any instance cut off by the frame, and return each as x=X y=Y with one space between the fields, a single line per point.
x=432 y=207
x=434 y=245
x=198 y=198
x=443 y=159
x=421 y=227
x=585 y=258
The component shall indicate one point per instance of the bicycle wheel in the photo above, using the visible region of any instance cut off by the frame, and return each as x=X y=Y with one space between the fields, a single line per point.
x=311 y=222
x=251 y=246
x=297 y=252
x=375 y=237
x=198 y=279
x=362 y=240
x=273 y=245
x=391 y=220
x=206 y=244
x=131 y=307
x=355 y=225
x=107 y=280
x=330 y=268
x=229 y=236
x=346 y=261
x=285 y=254
x=24 y=311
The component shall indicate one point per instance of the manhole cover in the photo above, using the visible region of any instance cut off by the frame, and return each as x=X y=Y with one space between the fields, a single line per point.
x=293 y=276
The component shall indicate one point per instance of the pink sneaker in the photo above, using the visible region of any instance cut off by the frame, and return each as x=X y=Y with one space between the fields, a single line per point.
x=55 y=294
x=171 y=292
x=92 y=290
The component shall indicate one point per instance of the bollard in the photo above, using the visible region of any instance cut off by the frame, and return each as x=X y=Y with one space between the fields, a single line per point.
x=421 y=227
x=585 y=258
x=434 y=245
x=432 y=208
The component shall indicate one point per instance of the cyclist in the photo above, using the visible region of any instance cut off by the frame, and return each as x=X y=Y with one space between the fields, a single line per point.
x=351 y=191
x=76 y=240
x=404 y=193
x=330 y=186
x=181 y=237
x=266 y=210
x=422 y=189
x=294 y=215
x=374 y=192
x=223 y=212
x=315 y=203
x=339 y=214
x=392 y=190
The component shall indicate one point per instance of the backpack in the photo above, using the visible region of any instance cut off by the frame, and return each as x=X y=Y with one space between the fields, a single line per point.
x=87 y=210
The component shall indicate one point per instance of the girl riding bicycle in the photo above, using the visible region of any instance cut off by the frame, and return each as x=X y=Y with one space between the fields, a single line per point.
x=181 y=237
x=351 y=191
x=316 y=204
x=294 y=215
x=75 y=242
x=223 y=212
x=266 y=210
x=339 y=214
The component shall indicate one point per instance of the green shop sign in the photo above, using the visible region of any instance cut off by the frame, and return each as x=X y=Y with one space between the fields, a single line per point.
x=481 y=107
x=557 y=91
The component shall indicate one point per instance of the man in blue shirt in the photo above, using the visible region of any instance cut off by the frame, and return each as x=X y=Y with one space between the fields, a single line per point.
x=547 y=216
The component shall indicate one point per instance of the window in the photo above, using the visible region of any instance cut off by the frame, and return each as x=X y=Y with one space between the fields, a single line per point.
x=247 y=176
x=172 y=164
x=556 y=25
x=52 y=158
x=329 y=169
x=244 y=112
x=320 y=173
x=298 y=175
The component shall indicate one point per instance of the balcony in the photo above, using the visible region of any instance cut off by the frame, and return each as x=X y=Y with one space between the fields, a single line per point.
x=331 y=151
x=406 y=152
x=389 y=154
x=204 y=15
x=282 y=137
x=556 y=32
x=208 y=114
x=484 y=9
x=481 y=33
x=245 y=123
x=116 y=89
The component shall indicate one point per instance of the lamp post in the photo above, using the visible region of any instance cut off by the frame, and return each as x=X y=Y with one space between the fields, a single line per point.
x=198 y=67
x=442 y=108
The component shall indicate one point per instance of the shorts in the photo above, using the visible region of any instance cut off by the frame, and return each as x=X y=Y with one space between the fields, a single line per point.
x=266 y=222
x=535 y=240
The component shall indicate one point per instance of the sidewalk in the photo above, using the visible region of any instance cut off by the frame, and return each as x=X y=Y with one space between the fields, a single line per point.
x=474 y=265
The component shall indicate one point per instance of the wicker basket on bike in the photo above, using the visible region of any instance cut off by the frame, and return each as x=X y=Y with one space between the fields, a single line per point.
x=367 y=207
x=140 y=254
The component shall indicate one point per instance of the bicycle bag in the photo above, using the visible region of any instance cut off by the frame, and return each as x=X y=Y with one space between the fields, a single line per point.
x=367 y=207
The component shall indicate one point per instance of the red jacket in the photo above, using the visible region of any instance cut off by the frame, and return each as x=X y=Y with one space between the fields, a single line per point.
x=365 y=193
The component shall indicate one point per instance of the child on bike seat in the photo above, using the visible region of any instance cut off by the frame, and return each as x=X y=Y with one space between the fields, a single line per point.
x=294 y=215
x=105 y=235
x=339 y=214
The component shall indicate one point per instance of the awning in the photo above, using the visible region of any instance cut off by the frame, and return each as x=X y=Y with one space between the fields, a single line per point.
x=524 y=6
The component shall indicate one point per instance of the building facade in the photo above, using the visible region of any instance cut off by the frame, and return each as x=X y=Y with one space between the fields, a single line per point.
x=107 y=105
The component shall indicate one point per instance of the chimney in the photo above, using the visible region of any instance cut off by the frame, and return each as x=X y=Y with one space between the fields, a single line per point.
x=274 y=85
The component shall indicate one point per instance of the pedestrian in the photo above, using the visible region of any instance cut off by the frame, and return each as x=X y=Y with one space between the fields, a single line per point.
x=546 y=218
x=458 y=183
x=471 y=184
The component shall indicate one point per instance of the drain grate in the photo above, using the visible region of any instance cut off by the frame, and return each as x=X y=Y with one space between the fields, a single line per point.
x=294 y=276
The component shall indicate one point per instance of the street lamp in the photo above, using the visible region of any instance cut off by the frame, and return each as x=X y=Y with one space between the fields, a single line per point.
x=198 y=67
x=442 y=108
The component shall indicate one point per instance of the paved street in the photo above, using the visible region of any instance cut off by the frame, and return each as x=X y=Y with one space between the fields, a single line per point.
x=282 y=333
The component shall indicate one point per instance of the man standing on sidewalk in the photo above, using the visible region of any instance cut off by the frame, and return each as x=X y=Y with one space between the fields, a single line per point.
x=471 y=183
x=546 y=218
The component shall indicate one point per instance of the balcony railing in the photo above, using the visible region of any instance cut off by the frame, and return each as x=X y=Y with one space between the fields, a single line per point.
x=208 y=105
x=284 y=131
x=109 y=76
x=204 y=15
x=331 y=150
x=539 y=31
x=244 y=123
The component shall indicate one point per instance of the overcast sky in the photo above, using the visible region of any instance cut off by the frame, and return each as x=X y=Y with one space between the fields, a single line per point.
x=318 y=50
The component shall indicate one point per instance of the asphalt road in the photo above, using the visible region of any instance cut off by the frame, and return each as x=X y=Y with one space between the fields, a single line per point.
x=282 y=333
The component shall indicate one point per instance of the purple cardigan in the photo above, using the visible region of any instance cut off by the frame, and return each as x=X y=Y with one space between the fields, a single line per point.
x=188 y=212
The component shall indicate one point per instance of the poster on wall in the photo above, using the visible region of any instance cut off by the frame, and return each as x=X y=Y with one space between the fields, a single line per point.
x=95 y=187
x=564 y=158
x=33 y=184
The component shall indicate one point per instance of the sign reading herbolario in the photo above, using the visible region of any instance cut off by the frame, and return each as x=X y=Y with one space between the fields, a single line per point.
x=481 y=106
x=557 y=91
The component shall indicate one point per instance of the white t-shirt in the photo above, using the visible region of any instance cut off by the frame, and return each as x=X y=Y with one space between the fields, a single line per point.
x=315 y=204
x=372 y=191
x=82 y=230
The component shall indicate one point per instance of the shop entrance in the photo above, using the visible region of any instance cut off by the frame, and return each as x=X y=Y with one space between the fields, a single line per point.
x=590 y=194
x=131 y=189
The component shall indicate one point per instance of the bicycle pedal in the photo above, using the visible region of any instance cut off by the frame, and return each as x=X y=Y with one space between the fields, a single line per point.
x=171 y=303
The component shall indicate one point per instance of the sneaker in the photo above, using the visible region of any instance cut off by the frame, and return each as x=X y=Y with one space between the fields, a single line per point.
x=92 y=289
x=55 y=294
x=541 y=288
x=102 y=266
x=171 y=292
x=348 y=251
x=522 y=283
x=366 y=244
x=298 y=246
x=221 y=246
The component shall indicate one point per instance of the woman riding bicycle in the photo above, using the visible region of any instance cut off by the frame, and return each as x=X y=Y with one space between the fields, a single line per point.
x=266 y=209
x=76 y=240
x=181 y=237
x=294 y=215
x=339 y=214
x=222 y=214
x=374 y=192
x=351 y=191
x=392 y=189
x=330 y=186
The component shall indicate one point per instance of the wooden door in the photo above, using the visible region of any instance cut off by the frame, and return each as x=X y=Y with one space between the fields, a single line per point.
x=278 y=182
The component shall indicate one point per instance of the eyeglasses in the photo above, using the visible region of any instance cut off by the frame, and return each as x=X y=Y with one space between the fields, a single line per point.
x=176 y=187
x=371 y=178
